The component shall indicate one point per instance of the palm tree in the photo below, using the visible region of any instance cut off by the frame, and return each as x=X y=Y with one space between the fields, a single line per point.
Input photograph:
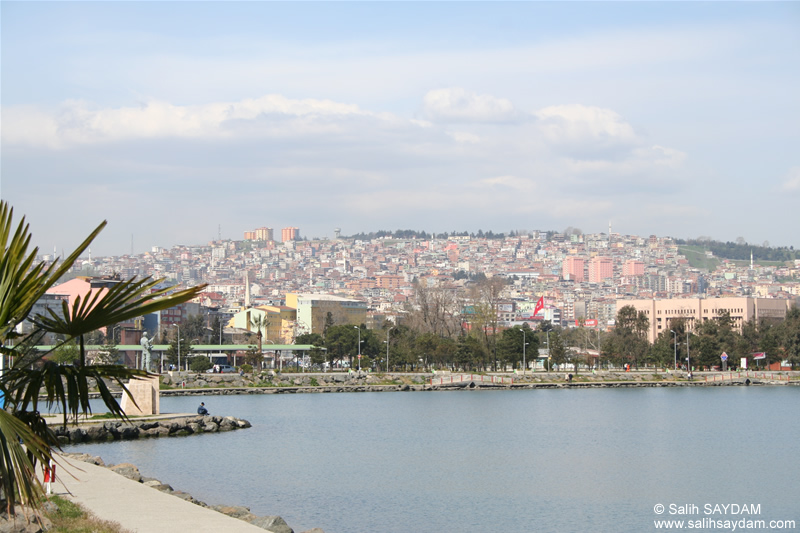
x=260 y=323
x=25 y=437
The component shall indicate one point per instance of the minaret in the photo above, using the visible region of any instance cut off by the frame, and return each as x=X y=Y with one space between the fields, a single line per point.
x=246 y=291
x=751 y=259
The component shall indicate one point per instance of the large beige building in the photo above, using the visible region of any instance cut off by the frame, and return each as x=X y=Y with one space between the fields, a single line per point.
x=662 y=313
x=280 y=322
x=313 y=309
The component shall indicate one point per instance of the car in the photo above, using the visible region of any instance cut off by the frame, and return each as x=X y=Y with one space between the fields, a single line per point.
x=222 y=369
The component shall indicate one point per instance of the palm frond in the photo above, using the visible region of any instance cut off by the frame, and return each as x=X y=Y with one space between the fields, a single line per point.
x=124 y=301
x=18 y=444
x=22 y=282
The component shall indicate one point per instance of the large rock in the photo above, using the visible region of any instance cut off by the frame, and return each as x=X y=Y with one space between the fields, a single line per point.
x=127 y=470
x=276 y=524
x=19 y=523
x=235 y=511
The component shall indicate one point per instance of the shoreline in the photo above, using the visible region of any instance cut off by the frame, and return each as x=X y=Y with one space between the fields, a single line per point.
x=150 y=504
x=330 y=383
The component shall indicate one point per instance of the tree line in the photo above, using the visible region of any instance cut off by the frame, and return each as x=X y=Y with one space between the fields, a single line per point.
x=704 y=343
x=741 y=250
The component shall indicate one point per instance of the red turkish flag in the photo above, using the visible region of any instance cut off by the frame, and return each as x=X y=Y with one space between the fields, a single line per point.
x=539 y=306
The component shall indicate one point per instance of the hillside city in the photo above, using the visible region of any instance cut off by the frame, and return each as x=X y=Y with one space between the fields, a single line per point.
x=580 y=277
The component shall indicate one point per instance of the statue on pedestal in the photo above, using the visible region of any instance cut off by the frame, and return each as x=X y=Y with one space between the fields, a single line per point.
x=147 y=344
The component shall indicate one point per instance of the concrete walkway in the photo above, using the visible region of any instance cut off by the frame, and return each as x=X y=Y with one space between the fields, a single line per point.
x=138 y=508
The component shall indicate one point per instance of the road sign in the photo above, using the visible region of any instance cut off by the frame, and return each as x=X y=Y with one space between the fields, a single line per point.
x=724 y=356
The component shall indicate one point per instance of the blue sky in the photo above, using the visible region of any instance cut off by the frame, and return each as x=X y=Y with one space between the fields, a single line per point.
x=171 y=119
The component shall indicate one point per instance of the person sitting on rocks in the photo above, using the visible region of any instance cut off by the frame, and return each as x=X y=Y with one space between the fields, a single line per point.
x=202 y=409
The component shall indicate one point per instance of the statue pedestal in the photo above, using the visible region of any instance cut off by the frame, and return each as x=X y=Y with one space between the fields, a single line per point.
x=146 y=393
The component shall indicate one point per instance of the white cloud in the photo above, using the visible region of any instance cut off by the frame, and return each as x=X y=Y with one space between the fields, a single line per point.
x=577 y=124
x=464 y=137
x=77 y=123
x=791 y=182
x=460 y=105
x=508 y=183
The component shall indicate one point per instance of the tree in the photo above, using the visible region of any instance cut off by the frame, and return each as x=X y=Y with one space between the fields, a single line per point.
x=559 y=353
x=790 y=335
x=260 y=323
x=713 y=337
x=316 y=353
x=177 y=352
x=194 y=327
x=314 y=339
x=216 y=330
x=486 y=297
x=628 y=342
x=509 y=347
x=471 y=353
x=328 y=323
x=24 y=435
x=199 y=363
x=340 y=341
x=108 y=355
x=254 y=357
x=437 y=310
x=66 y=354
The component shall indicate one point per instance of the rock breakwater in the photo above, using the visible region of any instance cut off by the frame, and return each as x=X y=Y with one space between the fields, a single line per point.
x=167 y=427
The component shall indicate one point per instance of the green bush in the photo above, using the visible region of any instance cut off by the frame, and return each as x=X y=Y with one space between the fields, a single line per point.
x=247 y=369
x=199 y=363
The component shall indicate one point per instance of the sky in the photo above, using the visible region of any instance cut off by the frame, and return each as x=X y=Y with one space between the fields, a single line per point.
x=178 y=122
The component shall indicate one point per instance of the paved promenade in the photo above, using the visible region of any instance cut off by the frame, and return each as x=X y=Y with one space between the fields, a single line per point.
x=136 y=507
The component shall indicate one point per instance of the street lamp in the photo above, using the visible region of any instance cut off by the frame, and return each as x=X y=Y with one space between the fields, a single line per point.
x=675 y=335
x=548 y=350
x=688 y=361
x=387 y=348
x=524 y=344
x=179 y=345
x=359 y=347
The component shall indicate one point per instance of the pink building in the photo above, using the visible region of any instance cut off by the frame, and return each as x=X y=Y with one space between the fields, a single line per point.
x=573 y=268
x=632 y=267
x=600 y=268
x=289 y=234
x=662 y=313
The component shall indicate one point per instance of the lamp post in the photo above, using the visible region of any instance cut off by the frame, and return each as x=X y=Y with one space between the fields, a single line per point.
x=359 y=347
x=275 y=355
x=688 y=361
x=179 y=345
x=675 y=343
x=387 y=348
x=524 y=365
x=548 y=350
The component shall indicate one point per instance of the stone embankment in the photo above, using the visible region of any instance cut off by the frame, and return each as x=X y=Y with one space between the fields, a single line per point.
x=193 y=384
x=188 y=383
x=273 y=523
x=89 y=431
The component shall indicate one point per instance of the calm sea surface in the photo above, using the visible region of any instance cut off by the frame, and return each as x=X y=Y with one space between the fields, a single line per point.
x=486 y=461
